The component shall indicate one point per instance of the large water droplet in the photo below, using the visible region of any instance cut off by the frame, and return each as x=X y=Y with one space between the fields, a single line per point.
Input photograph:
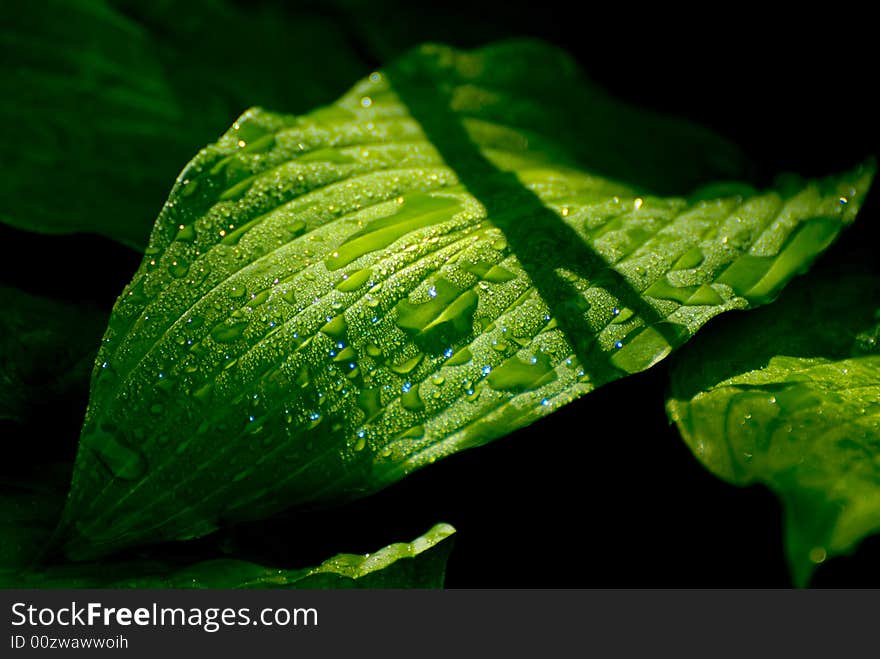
x=122 y=460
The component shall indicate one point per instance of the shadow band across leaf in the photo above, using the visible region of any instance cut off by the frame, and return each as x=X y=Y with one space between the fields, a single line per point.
x=541 y=241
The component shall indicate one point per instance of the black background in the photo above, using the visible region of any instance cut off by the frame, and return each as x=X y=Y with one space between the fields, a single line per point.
x=603 y=492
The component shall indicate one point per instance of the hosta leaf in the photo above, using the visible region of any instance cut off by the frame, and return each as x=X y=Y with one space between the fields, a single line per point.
x=100 y=101
x=47 y=350
x=417 y=564
x=332 y=301
x=30 y=505
x=790 y=397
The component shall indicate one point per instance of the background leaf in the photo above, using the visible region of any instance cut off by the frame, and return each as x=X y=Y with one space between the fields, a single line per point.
x=332 y=301
x=790 y=397
x=30 y=504
x=150 y=84
x=47 y=350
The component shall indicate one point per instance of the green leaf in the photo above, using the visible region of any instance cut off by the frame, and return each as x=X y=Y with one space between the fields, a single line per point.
x=101 y=101
x=417 y=564
x=47 y=349
x=332 y=301
x=31 y=503
x=790 y=397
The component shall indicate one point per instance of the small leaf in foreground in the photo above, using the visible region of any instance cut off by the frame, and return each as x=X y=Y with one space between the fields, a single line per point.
x=789 y=396
x=332 y=301
x=29 y=509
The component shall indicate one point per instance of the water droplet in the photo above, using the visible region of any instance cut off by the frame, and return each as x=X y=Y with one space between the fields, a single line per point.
x=499 y=244
x=354 y=281
x=186 y=233
x=336 y=327
x=203 y=393
x=411 y=400
x=407 y=366
x=228 y=333
x=517 y=375
x=122 y=460
x=818 y=555
x=443 y=319
x=463 y=356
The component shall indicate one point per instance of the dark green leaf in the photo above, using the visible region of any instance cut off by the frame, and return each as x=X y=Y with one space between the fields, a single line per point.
x=332 y=301
x=790 y=397
x=101 y=101
x=30 y=505
x=417 y=564
x=47 y=350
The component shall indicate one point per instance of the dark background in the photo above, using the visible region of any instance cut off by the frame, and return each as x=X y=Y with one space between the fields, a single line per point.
x=603 y=492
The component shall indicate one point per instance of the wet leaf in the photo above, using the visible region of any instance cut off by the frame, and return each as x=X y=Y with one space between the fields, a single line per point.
x=790 y=397
x=332 y=301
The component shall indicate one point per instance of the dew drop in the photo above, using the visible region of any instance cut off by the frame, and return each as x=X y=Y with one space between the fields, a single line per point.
x=228 y=333
x=122 y=460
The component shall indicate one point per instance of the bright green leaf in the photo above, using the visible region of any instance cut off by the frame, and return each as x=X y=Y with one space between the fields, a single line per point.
x=790 y=397
x=332 y=301
x=47 y=349
x=101 y=101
